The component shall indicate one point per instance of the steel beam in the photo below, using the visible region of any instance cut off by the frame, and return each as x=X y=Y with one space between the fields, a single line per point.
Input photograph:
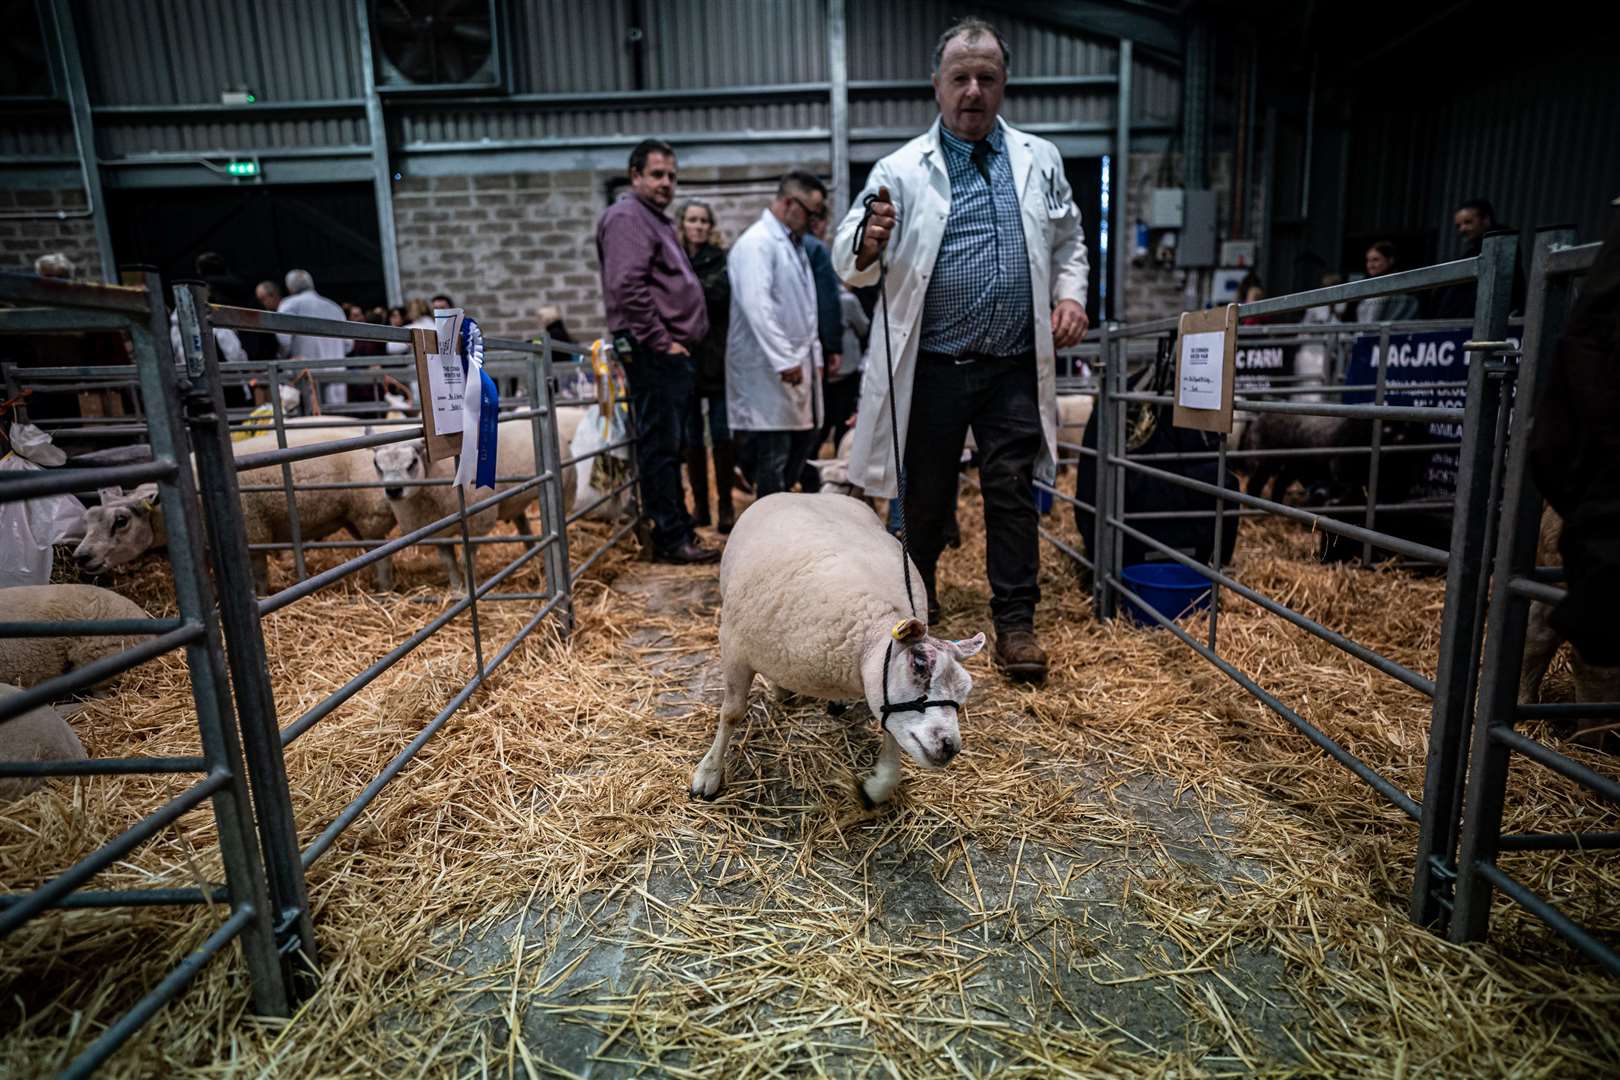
x=838 y=108
x=382 y=174
x=60 y=17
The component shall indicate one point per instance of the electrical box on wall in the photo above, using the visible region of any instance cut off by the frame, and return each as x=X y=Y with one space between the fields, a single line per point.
x=1165 y=208
x=1197 y=248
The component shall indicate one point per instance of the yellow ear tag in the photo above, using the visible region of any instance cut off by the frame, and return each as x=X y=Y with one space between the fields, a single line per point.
x=899 y=631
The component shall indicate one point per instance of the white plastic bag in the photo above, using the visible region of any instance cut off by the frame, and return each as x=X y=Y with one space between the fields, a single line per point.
x=29 y=528
x=603 y=425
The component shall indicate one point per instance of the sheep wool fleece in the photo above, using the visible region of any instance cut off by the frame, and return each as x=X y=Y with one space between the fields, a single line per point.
x=808 y=584
x=39 y=734
x=27 y=661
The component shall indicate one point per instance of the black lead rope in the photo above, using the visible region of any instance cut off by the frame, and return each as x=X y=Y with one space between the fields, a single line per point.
x=894 y=423
x=921 y=702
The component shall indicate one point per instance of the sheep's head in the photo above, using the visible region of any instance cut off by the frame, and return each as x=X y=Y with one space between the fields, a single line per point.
x=929 y=668
x=835 y=477
x=398 y=462
x=124 y=527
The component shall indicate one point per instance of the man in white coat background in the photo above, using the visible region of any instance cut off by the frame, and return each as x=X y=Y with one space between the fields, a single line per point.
x=987 y=276
x=773 y=353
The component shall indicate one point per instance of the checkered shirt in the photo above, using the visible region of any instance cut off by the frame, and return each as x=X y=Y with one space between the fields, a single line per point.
x=979 y=298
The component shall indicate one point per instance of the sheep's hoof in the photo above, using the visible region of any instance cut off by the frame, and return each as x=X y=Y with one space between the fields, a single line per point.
x=837 y=708
x=707 y=782
x=866 y=800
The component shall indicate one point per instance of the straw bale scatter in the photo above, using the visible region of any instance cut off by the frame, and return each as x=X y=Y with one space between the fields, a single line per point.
x=1134 y=871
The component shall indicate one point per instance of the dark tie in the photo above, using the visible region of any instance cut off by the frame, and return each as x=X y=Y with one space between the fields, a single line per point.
x=981 y=158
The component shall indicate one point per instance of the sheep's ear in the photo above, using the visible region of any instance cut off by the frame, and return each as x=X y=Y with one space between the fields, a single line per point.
x=907 y=631
x=966 y=647
x=110 y=495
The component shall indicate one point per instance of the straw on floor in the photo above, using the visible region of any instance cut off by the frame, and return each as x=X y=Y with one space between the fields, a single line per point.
x=1135 y=871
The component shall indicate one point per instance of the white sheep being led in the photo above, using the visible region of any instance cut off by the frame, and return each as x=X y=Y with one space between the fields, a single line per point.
x=812 y=598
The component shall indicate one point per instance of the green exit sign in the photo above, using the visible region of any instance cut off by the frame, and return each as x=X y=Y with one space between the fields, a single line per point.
x=242 y=167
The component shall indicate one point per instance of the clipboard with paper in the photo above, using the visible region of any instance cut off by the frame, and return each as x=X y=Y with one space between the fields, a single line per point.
x=1206 y=359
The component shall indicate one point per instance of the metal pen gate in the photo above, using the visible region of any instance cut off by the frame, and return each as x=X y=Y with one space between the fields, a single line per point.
x=243 y=736
x=1492 y=448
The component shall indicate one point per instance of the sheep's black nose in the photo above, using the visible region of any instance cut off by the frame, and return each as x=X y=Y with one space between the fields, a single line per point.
x=393 y=492
x=948 y=747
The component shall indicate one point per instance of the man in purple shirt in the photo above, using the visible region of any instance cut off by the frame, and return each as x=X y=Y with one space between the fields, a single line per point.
x=654 y=301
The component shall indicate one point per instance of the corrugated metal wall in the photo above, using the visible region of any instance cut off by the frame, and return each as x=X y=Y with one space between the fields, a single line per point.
x=896 y=41
x=422 y=128
x=1543 y=145
x=185 y=52
x=143 y=54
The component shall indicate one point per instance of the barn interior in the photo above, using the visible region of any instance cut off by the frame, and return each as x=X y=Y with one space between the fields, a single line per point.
x=1296 y=850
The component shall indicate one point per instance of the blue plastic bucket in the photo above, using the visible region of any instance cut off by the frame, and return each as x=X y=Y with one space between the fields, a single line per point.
x=1170 y=588
x=1043 y=501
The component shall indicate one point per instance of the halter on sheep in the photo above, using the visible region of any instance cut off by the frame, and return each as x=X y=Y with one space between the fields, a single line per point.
x=900 y=632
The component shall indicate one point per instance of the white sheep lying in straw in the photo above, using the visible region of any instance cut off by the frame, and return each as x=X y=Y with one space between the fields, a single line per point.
x=26 y=661
x=128 y=524
x=812 y=599
x=40 y=734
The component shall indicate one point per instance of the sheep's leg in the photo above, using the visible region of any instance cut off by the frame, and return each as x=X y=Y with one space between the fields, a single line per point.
x=452 y=567
x=384 y=571
x=878 y=788
x=1541 y=643
x=521 y=522
x=710 y=775
x=261 y=573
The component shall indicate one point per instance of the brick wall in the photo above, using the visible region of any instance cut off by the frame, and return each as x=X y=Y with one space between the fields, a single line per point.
x=22 y=240
x=1153 y=291
x=505 y=244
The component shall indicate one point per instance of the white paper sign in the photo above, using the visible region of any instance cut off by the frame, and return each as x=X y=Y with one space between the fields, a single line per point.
x=446 y=384
x=1202 y=368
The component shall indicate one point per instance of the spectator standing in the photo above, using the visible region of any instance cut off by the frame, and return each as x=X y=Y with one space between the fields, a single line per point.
x=55 y=265
x=655 y=309
x=1472 y=220
x=773 y=347
x=844 y=385
x=830 y=329
x=225 y=287
x=441 y=302
x=696 y=223
x=268 y=293
x=987 y=279
x=1381 y=260
x=302 y=299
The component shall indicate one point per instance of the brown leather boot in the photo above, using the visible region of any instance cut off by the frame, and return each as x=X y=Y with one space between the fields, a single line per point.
x=697 y=475
x=725 y=467
x=1020 y=655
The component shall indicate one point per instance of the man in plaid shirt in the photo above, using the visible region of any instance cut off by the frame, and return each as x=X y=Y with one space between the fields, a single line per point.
x=987 y=274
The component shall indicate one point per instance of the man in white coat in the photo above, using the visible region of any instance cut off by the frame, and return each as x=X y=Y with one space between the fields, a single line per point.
x=987 y=276
x=773 y=351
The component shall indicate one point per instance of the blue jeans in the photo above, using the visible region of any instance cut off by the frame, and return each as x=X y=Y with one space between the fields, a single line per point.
x=660 y=388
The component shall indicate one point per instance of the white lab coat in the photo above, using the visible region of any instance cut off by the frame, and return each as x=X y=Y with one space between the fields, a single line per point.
x=921 y=189
x=308 y=347
x=773 y=329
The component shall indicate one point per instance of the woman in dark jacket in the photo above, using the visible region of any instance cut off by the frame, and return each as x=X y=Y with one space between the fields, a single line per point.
x=695 y=220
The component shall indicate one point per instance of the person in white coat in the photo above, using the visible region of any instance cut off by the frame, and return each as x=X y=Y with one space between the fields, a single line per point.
x=773 y=352
x=987 y=275
x=302 y=299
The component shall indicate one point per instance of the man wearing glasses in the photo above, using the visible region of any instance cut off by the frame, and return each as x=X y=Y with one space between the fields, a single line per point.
x=773 y=352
